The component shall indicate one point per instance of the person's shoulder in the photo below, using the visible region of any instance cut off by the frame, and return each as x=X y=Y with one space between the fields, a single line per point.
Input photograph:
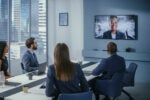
x=26 y=52
x=120 y=33
x=76 y=65
x=25 y=55
x=104 y=60
x=120 y=57
x=51 y=66
x=51 y=69
x=107 y=32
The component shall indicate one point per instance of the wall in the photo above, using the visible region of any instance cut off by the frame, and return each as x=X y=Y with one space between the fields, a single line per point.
x=72 y=34
x=140 y=8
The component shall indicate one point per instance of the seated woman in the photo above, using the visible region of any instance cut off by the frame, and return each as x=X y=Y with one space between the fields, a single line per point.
x=3 y=59
x=64 y=76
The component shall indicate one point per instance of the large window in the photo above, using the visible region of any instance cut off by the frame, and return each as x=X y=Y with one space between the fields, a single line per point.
x=19 y=20
x=4 y=20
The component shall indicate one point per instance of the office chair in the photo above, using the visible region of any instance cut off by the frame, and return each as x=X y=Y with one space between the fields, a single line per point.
x=23 y=69
x=76 y=96
x=128 y=79
x=109 y=87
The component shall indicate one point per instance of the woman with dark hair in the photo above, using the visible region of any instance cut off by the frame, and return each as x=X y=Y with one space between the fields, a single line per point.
x=64 y=76
x=3 y=59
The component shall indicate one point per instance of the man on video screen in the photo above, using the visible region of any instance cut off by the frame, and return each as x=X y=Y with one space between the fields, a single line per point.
x=113 y=33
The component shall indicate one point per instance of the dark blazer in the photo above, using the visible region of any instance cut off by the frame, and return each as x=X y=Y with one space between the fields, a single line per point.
x=109 y=66
x=54 y=86
x=29 y=62
x=119 y=35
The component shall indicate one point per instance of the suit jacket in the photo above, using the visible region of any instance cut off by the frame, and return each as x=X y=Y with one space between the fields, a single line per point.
x=29 y=62
x=109 y=66
x=119 y=35
x=54 y=86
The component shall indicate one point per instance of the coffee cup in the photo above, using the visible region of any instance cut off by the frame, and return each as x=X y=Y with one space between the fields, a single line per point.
x=30 y=75
x=25 y=89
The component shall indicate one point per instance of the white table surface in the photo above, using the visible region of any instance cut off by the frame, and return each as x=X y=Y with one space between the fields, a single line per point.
x=36 y=93
x=23 y=79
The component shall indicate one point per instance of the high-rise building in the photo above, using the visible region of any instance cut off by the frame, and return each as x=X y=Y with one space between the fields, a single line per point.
x=4 y=19
x=16 y=20
x=42 y=22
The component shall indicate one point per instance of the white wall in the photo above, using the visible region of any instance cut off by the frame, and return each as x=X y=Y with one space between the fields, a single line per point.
x=72 y=34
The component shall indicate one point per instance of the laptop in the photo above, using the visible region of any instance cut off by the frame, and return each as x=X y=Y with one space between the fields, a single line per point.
x=12 y=83
x=41 y=70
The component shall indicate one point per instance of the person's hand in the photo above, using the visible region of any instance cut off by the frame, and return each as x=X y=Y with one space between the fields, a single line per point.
x=6 y=80
x=6 y=77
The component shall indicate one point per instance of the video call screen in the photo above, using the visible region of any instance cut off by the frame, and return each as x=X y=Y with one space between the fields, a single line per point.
x=125 y=24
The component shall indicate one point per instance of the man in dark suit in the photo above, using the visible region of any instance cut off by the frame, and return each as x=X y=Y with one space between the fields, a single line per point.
x=113 y=33
x=29 y=59
x=110 y=65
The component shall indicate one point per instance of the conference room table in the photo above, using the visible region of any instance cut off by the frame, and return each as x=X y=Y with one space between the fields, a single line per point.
x=34 y=91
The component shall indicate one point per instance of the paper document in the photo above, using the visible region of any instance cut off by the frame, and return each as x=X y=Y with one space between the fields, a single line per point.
x=90 y=77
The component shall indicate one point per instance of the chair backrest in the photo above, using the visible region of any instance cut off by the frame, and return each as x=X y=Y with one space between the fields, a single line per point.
x=110 y=87
x=130 y=75
x=76 y=96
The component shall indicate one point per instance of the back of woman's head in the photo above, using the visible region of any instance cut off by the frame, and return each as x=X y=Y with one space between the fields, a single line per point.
x=2 y=47
x=63 y=65
x=61 y=53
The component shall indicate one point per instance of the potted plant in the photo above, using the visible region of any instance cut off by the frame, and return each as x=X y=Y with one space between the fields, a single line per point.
x=128 y=49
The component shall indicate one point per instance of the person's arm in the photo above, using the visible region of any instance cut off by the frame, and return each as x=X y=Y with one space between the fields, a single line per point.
x=83 y=81
x=8 y=75
x=100 y=68
x=50 y=90
x=27 y=64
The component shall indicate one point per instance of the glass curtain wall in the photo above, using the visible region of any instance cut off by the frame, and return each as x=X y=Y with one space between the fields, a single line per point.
x=4 y=20
x=38 y=27
x=25 y=20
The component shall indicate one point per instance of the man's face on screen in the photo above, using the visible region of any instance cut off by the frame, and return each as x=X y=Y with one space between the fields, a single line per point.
x=114 y=24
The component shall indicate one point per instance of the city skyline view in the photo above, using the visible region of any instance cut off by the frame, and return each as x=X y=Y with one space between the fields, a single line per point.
x=19 y=20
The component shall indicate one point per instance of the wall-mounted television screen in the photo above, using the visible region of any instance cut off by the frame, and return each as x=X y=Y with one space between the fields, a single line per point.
x=122 y=27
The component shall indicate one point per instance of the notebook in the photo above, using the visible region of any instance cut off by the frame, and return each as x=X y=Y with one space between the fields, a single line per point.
x=87 y=73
